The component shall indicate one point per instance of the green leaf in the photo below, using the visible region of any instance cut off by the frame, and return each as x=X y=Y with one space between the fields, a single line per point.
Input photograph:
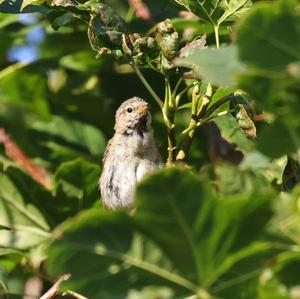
x=277 y=42
x=21 y=6
x=82 y=61
x=278 y=139
x=233 y=181
x=6 y=251
x=28 y=226
x=218 y=66
x=83 y=135
x=25 y=85
x=216 y=12
x=110 y=257
x=220 y=93
x=78 y=179
x=192 y=231
x=230 y=131
x=271 y=79
x=61 y=20
x=287 y=216
x=181 y=237
x=26 y=3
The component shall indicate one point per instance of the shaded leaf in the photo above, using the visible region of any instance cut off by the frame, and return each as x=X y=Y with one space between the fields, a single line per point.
x=277 y=42
x=277 y=139
x=28 y=225
x=230 y=130
x=105 y=28
x=78 y=179
x=81 y=134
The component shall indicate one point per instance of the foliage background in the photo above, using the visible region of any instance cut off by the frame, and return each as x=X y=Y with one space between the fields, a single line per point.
x=226 y=228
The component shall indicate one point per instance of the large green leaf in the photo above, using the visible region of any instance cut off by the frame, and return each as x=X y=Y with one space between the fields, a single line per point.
x=106 y=257
x=202 y=236
x=231 y=132
x=190 y=224
x=218 y=66
x=287 y=217
x=216 y=12
x=278 y=139
x=270 y=53
x=277 y=42
x=25 y=85
x=76 y=184
x=80 y=134
x=27 y=226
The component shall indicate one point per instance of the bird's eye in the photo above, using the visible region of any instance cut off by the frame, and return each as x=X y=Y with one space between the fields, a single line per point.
x=129 y=110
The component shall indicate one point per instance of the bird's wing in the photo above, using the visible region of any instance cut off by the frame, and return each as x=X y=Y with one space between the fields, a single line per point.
x=106 y=152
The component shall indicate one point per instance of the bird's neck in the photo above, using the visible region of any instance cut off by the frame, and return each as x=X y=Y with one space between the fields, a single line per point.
x=135 y=142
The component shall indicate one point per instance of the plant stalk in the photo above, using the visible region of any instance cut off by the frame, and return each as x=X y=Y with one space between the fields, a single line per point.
x=147 y=85
x=216 y=29
x=197 y=114
x=168 y=113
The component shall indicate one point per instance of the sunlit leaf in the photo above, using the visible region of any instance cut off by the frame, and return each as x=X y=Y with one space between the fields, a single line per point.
x=216 y=12
x=218 y=66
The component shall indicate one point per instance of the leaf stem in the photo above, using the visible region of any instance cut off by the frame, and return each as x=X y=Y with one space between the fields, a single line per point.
x=181 y=93
x=197 y=113
x=147 y=85
x=176 y=87
x=216 y=29
x=151 y=268
x=219 y=103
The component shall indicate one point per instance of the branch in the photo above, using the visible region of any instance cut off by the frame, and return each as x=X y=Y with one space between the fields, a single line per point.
x=146 y=84
x=168 y=114
x=222 y=101
x=54 y=290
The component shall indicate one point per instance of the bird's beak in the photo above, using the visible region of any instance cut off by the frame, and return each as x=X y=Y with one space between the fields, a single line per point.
x=143 y=109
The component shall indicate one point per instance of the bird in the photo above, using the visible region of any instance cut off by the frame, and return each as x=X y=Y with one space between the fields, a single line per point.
x=129 y=155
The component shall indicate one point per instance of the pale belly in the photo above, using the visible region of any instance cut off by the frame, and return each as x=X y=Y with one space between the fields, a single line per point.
x=144 y=167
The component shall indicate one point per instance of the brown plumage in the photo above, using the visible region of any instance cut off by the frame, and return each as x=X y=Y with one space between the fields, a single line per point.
x=130 y=154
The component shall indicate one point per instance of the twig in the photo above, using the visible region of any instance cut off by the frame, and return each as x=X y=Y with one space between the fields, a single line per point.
x=54 y=290
x=146 y=84
x=222 y=101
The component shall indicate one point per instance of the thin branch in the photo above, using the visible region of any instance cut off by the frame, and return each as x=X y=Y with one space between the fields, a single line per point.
x=222 y=101
x=54 y=290
x=146 y=84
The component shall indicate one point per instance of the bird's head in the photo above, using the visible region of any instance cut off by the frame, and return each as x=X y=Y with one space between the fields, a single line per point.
x=133 y=115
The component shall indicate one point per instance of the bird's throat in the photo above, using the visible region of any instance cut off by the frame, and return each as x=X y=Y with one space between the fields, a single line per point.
x=142 y=126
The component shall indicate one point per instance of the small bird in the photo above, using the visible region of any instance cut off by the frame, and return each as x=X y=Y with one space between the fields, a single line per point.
x=130 y=154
